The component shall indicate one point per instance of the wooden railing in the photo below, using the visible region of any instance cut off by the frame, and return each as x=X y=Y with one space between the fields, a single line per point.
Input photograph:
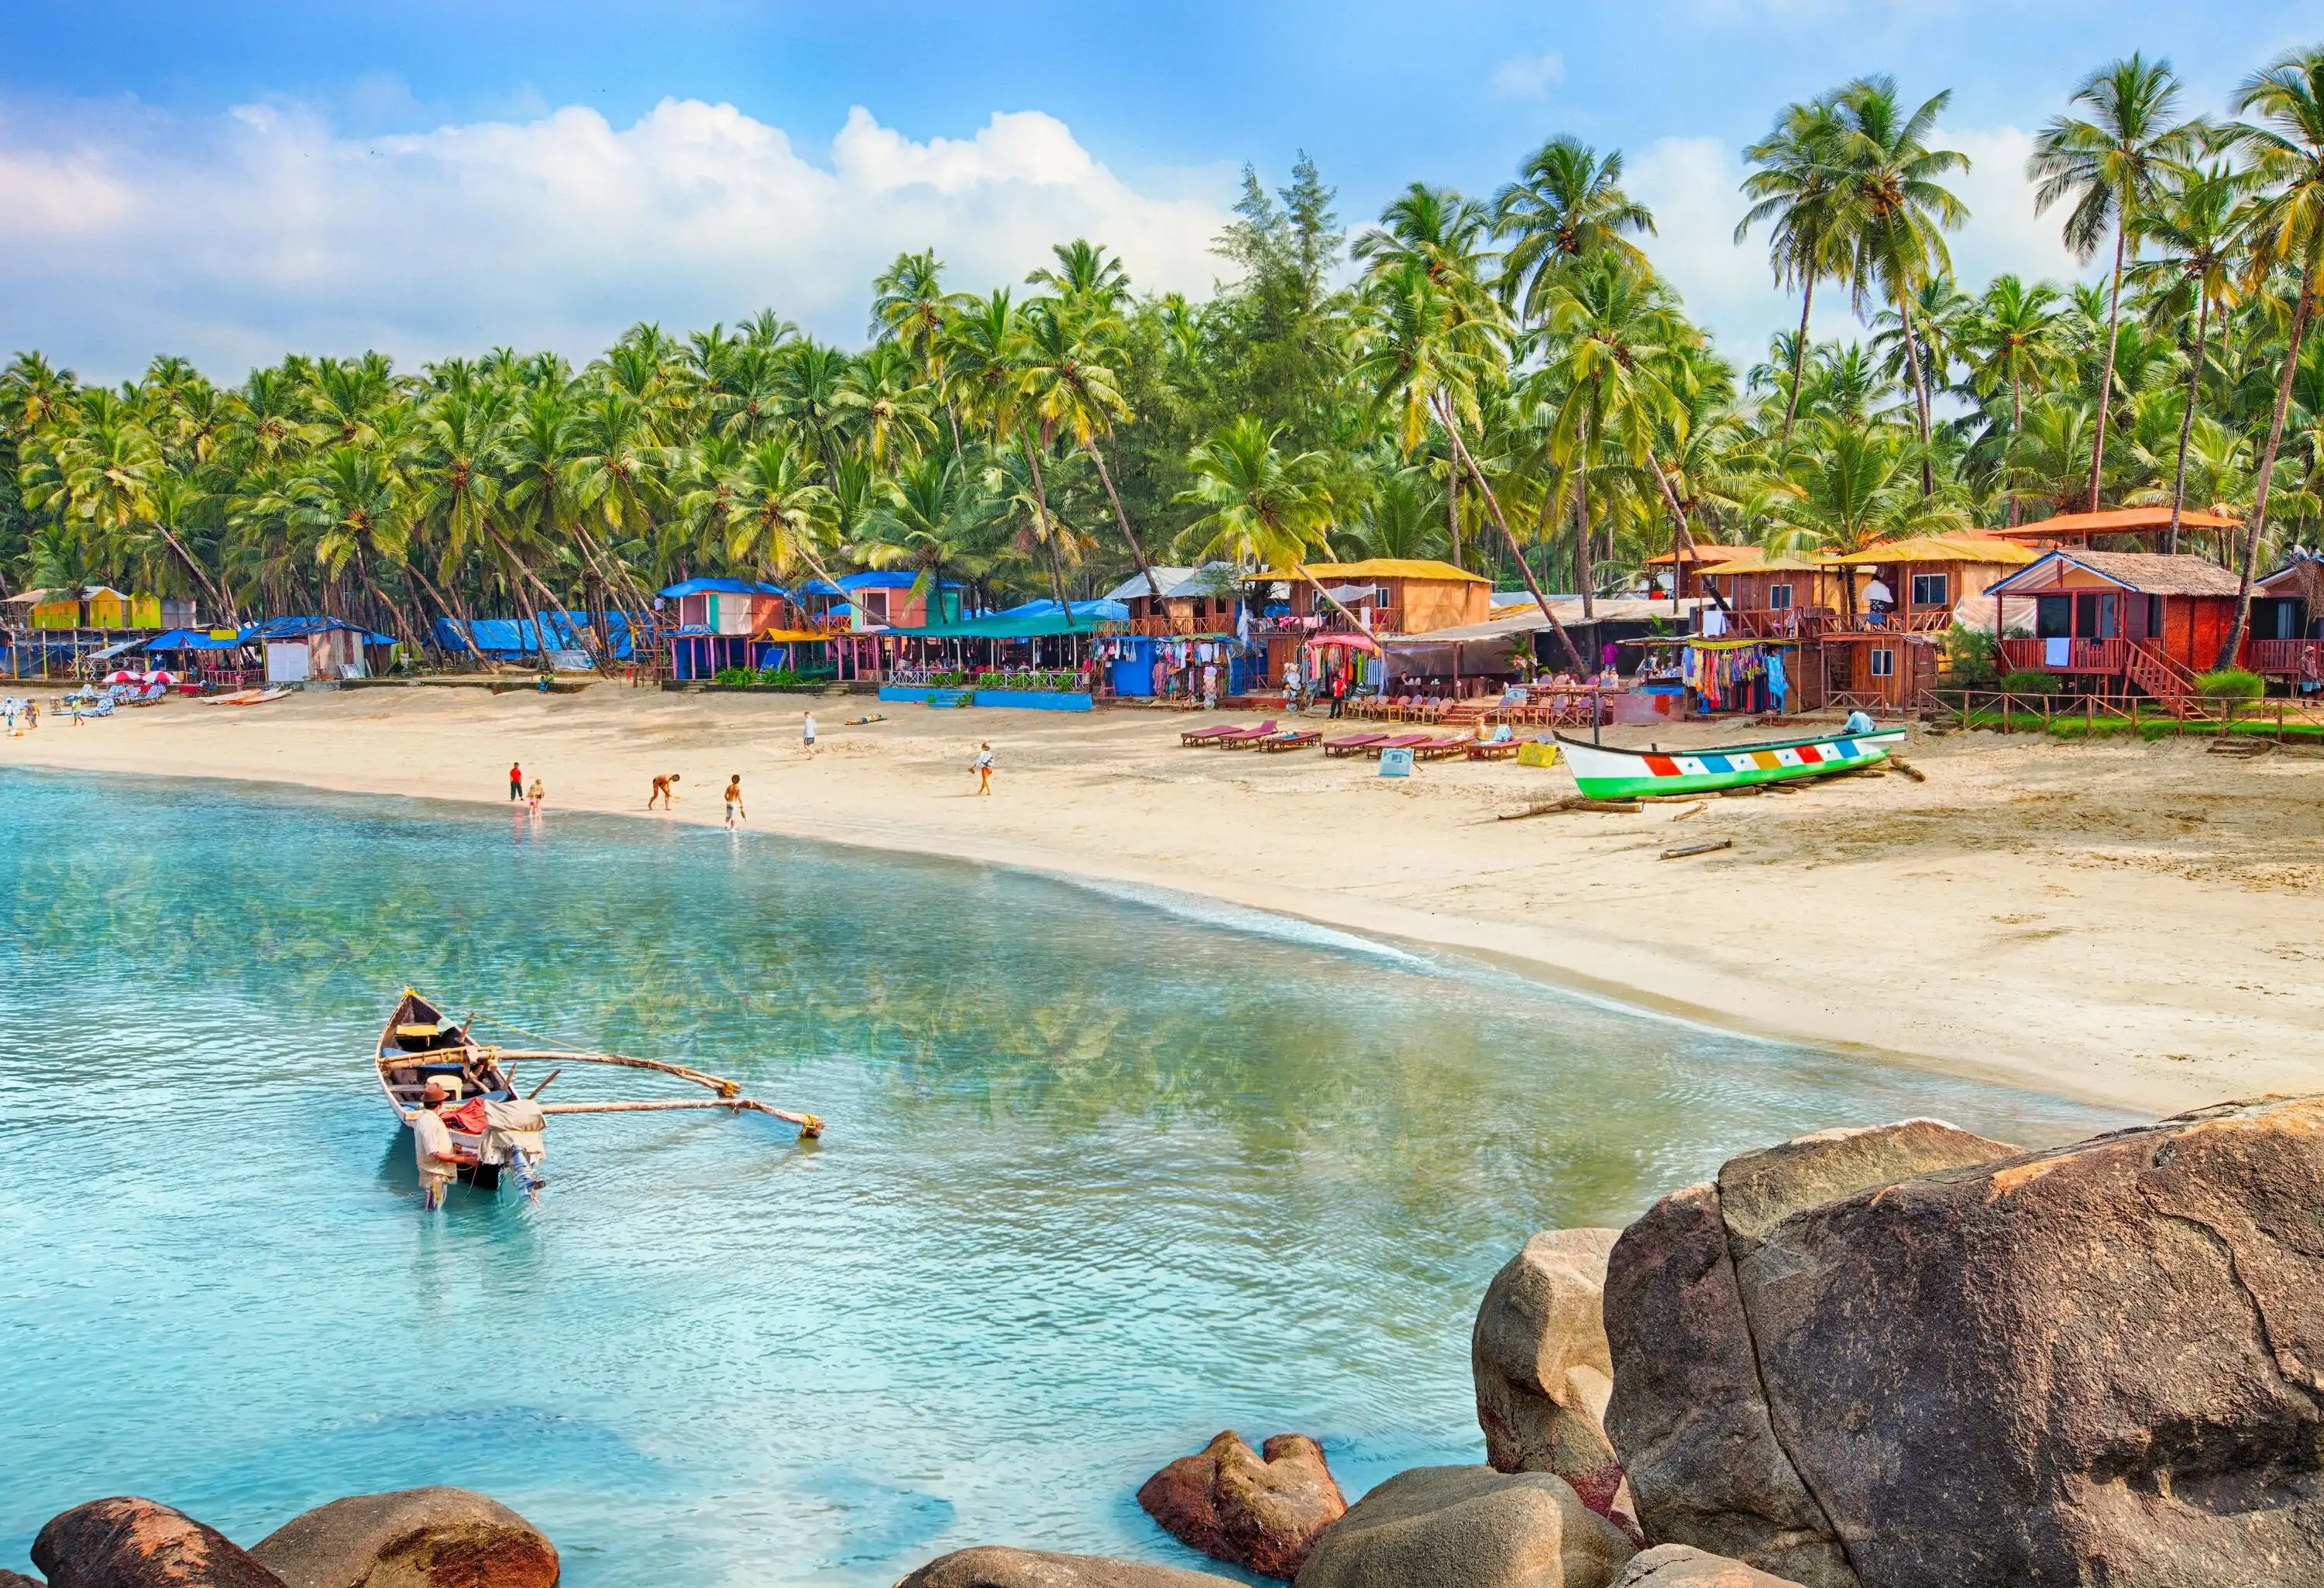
x=2082 y=656
x=1771 y=622
x=2298 y=658
x=1927 y=620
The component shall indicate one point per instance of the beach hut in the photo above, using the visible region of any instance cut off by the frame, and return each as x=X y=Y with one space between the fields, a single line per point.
x=2109 y=620
x=319 y=649
x=2287 y=624
x=2148 y=528
x=1689 y=568
x=1787 y=595
x=1884 y=647
x=1395 y=595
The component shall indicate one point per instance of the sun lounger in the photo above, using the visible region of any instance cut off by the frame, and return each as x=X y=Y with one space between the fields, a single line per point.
x=1493 y=749
x=1246 y=736
x=1287 y=740
x=1397 y=741
x=1351 y=744
x=1197 y=737
x=1440 y=748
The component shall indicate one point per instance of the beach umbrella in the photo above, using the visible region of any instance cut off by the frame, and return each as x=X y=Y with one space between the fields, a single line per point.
x=124 y=676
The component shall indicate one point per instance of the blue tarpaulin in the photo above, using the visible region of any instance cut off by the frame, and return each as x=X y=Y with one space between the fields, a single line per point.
x=720 y=587
x=191 y=640
x=298 y=628
x=511 y=639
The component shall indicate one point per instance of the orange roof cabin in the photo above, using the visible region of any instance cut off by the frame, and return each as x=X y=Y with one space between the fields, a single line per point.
x=2110 y=622
x=1693 y=567
x=1396 y=594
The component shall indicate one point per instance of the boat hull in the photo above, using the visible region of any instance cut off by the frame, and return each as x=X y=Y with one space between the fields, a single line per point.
x=1603 y=772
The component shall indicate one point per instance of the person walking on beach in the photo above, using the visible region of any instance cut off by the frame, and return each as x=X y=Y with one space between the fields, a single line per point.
x=734 y=811
x=1339 y=691
x=533 y=798
x=984 y=768
x=807 y=735
x=431 y=1142
x=665 y=789
x=516 y=781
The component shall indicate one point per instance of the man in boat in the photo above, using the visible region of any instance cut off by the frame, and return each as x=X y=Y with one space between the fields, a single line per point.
x=431 y=1140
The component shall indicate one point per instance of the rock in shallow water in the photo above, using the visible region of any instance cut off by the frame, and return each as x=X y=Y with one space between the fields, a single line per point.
x=434 y=1537
x=1541 y=1366
x=1468 y=1528
x=2100 y=1362
x=989 y=1565
x=129 y=1543
x=1262 y=1514
x=1682 y=1566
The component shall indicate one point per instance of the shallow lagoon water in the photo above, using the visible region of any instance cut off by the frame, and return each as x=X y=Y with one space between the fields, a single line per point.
x=1106 y=1172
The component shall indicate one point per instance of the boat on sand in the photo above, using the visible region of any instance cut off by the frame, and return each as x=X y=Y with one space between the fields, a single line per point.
x=1602 y=772
x=418 y=1043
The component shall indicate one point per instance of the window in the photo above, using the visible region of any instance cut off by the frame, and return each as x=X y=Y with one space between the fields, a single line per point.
x=1381 y=596
x=1884 y=664
x=2053 y=617
x=873 y=603
x=1932 y=590
x=1779 y=598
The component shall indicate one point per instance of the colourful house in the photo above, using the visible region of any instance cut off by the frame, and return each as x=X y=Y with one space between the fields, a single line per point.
x=2109 y=620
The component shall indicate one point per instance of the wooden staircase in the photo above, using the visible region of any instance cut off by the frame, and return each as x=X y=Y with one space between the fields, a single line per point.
x=2168 y=681
x=1468 y=713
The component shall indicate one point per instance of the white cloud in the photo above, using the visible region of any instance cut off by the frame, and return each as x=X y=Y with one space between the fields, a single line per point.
x=1693 y=185
x=1527 y=77
x=230 y=239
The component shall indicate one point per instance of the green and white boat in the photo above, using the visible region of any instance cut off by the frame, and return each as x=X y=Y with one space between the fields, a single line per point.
x=1605 y=772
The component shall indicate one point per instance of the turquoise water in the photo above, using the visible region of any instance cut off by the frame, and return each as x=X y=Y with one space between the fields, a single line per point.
x=1105 y=1175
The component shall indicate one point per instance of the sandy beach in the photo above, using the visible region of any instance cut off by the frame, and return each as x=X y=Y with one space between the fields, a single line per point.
x=2118 y=921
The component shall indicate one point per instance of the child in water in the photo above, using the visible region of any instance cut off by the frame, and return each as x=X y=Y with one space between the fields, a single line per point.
x=734 y=810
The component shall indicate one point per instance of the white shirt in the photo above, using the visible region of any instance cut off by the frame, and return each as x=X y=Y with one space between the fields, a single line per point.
x=1877 y=591
x=431 y=1139
x=807 y=728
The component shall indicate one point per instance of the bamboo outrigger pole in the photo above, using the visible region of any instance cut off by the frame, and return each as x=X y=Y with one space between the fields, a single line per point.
x=729 y=1093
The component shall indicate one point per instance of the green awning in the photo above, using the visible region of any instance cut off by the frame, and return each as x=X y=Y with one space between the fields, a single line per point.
x=1032 y=627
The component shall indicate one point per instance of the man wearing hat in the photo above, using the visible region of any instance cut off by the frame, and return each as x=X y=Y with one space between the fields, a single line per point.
x=431 y=1140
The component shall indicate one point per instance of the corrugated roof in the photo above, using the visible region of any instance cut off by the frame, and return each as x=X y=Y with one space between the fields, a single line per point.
x=1939 y=548
x=1789 y=562
x=1706 y=553
x=2117 y=521
x=1383 y=568
x=2147 y=572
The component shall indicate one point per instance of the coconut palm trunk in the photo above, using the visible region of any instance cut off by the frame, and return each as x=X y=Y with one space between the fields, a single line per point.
x=1041 y=528
x=1683 y=530
x=1799 y=361
x=2187 y=420
x=2258 y=526
x=2105 y=379
x=1493 y=506
x=1153 y=587
x=1920 y=391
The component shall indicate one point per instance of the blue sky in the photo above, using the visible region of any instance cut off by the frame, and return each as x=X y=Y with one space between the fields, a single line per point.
x=230 y=179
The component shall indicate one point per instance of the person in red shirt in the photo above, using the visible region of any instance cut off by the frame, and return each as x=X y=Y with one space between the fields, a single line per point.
x=516 y=781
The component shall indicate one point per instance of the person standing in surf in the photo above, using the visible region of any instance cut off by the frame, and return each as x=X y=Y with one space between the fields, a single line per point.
x=734 y=811
x=431 y=1142
x=516 y=781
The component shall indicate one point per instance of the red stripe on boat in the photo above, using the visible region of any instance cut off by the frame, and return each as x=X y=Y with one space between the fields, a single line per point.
x=1810 y=755
x=1662 y=766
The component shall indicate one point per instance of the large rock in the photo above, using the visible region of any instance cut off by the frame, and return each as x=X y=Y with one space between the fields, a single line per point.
x=991 y=1566
x=2098 y=1363
x=18 y=1580
x=435 y=1537
x=129 y=1543
x=1260 y=1513
x=1541 y=1367
x=1682 y=1566
x=1468 y=1528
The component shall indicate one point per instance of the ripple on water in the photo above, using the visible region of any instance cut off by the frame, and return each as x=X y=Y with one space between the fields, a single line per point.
x=1107 y=1171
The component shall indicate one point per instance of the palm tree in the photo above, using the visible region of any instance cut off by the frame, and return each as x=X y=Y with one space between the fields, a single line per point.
x=1853 y=487
x=779 y=512
x=1797 y=191
x=1565 y=205
x=2113 y=165
x=1622 y=366
x=2014 y=338
x=1264 y=512
x=1898 y=211
x=2198 y=226
x=911 y=307
x=1072 y=392
x=2286 y=151
x=1435 y=228
x=933 y=520
x=2045 y=456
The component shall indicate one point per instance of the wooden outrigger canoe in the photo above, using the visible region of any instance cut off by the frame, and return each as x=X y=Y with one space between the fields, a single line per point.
x=419 y=1042
x=1602 y=772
